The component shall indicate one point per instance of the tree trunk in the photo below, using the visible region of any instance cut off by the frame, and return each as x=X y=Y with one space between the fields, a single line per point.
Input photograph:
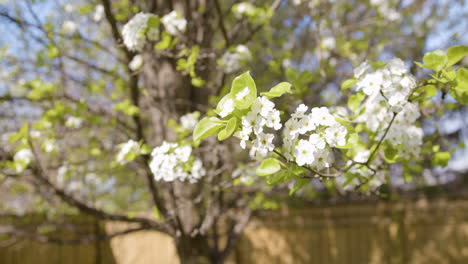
x=199 y=250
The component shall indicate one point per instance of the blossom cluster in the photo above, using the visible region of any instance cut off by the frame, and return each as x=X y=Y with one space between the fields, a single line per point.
x=133 y=32
x=261 y=116
x=22 y=158
x=174 y=23
x=387 y=11
x=189 y=121
x=232 y=60
x=137 y=31
x=243 y=9
x=172 y=161
x=128 y=151
x=388 y=90
x=308 y=138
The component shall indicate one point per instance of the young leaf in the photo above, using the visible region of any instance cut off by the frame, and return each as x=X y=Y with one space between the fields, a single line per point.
x=456 y=53
x=239 y=84
x=352 y=142
x=278 y=90
x=298 y=185
x=228 y=130
x=354 y=101
x=268 y=166
x=435 y=60
x=462 y=78
x=206 y=127
x=348 y=83
x=441 y=159
x=390 y=154
x=277 y=178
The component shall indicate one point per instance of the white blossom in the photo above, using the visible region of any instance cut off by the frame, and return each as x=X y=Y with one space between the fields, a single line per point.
x=173 y=162
x=323 y=158
x=69 y=8
x=371 y=83
x=189 y=121
x=133 y=32
x=130 y=147
x=243 y=9
x=262 y=106
x=69 y=26
x=73 y=122
x=389 y=89
x=22 y=158
x=262 y=145
x=322 y=116
x=98 y=13
x=174 y=23
x=336 y=135
x=50 y=145
x=361 y=69
x=232 y=61
x=136 y=62
x=304 y=152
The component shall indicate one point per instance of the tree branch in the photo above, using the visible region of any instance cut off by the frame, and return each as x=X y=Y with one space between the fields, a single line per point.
x=41 y=173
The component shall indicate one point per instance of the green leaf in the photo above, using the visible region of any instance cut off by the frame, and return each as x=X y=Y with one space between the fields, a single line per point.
x=206 y=127
x=238 y=85
x=228 y=130
x=355 y=100
x=153 y=22
x=298 y=185
x=198 y=82
x=456 y=53
x=352 y=142
x=429 y=90
x=53 y=51
x=348 y=83
x=278 y=90
x=278 y=178
x=441 y=159
x=390 y=154
x=219 y=107
x=127 y=108
x=166 y=42
x=268 y=167
x=460 y=91
x=462 y=77
x=435 y=60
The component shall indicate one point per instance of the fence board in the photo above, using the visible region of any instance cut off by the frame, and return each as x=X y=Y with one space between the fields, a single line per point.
x=412 y=232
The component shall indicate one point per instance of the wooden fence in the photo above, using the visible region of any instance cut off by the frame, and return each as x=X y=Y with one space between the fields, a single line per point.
x=413 y=232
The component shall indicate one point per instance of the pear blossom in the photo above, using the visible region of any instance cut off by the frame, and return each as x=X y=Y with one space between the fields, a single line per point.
x=232 y=60
x=304 y=152
x=243 y=9
x=189 y=121
x=50 y=145
x=136 y=62
x=133 y=32
x=336 y=135
x=98 y=13
x=174 y=23
x=126 y=149
x=69 y=27
x=22 y=158
x=73 y=122
x=171 y=162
